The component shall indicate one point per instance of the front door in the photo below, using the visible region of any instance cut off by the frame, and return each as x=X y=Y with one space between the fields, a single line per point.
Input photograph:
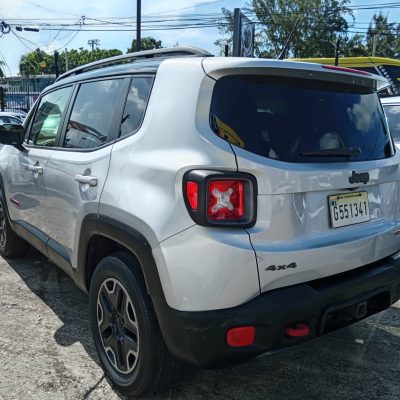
x=27 y=169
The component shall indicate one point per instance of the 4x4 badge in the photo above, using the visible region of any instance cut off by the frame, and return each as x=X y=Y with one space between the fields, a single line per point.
x=281 y=267
x=359 y=177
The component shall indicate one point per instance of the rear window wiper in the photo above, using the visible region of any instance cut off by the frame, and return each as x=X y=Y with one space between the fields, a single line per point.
x=340 y=152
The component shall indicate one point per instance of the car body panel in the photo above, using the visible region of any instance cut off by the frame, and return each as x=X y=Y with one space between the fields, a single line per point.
x=24 y=187
x=66 y=201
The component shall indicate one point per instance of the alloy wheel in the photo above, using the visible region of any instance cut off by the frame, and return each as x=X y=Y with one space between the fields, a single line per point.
x=118 y=327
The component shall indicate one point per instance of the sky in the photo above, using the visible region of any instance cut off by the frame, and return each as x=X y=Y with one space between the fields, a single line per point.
x=15 y=44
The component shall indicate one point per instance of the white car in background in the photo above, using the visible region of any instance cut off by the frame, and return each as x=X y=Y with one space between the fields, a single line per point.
x=391 y=105
x=8 y=118
x=20 y=114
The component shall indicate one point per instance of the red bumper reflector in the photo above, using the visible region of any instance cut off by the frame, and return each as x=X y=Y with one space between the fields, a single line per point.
x=297 y=330
x=241 y=336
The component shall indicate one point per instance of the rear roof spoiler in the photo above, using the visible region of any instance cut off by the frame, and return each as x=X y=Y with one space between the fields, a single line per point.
x=218 y=67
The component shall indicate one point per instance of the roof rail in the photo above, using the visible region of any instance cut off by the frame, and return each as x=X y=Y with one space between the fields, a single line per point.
x=156 y=53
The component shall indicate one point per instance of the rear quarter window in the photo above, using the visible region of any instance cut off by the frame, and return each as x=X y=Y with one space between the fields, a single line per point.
x=300 y=121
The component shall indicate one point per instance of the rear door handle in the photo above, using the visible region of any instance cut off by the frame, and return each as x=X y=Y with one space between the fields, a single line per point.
x=87 y=179
x=34 y=168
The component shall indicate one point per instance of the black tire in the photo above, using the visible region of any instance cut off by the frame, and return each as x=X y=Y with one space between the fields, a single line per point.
x=11 y=245
x=119 y=305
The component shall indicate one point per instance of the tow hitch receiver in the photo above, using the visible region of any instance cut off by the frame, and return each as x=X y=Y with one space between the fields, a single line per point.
x=340 y=315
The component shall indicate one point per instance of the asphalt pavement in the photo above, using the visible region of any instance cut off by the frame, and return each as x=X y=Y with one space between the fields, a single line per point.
x=47 y=352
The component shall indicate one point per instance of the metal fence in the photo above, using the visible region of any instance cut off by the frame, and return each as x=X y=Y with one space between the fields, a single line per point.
x=19 y=93
x=15 y=98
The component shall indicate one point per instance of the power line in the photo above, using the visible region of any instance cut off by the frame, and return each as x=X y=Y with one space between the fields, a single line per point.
x=49 y=9
x=185 y=8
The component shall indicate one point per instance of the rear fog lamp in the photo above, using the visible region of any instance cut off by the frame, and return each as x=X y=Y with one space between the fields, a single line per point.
x=241 y=336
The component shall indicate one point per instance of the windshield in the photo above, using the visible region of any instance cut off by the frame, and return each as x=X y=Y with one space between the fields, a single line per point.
x=296 y=120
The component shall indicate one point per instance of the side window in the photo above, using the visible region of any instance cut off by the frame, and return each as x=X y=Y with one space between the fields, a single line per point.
x=393 y=116
x=48 y=116
x=90 y=123
x=136 y=104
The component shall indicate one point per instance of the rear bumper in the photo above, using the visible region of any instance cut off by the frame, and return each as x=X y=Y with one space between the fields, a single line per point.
x=200 y=337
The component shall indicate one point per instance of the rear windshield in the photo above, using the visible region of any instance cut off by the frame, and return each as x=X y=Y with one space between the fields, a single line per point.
x=300 y=121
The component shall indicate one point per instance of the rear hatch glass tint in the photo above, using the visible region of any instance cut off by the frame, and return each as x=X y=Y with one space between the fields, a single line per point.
x=300 y=120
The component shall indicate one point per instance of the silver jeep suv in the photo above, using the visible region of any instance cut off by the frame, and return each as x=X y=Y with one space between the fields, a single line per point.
x=213 y=208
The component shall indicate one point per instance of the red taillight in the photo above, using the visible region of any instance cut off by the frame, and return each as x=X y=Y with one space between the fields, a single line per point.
x=221 y=199
x=192 y=191
x=344 y=69
x=241 y=336
x=225 y=200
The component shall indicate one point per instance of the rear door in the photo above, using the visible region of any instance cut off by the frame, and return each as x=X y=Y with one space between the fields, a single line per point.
x=77 y=169
x=28 y=168
x=327 y=173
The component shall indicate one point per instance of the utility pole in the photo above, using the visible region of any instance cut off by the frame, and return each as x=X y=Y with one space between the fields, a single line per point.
x=337 y=52
x=138 y=23
x=374 y=38
x=56 y=64
x=2 y=99
x=236 y=33
x=66 y=59
x=94 y=42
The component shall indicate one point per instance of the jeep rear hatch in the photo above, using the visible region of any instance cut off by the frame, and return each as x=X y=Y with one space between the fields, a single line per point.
x=327 y=174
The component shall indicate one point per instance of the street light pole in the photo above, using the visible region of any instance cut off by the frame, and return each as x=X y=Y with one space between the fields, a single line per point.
x=138 y=21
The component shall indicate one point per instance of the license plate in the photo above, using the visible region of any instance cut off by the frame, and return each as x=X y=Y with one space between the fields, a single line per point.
x=349 y=208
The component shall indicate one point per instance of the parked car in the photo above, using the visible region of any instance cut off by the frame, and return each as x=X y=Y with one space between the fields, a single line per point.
x=21 y=115
x=213 y=208
x=391 y=106
x=6 y=118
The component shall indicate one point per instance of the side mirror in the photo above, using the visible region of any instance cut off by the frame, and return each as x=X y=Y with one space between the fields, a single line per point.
x=12 y=134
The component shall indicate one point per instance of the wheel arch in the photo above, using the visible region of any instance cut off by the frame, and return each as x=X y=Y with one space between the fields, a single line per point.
x=101 y=236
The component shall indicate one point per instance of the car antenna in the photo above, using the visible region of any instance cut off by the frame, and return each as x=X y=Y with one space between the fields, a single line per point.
x=282 y=55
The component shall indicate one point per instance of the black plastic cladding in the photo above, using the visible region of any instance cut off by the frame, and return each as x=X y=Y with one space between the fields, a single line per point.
x=202 y=178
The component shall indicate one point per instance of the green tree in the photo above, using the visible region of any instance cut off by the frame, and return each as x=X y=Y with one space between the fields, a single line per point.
x=30 y=63
x=322 y=22
x=383 y=37
x=146 y=43
x=354 y=46
x=83 y=56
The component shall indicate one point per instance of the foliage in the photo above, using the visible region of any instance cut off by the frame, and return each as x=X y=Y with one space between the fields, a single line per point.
x=387 y=40
x=354 y=47
x=321 y=23
x=30 y=63
x=146 y=43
